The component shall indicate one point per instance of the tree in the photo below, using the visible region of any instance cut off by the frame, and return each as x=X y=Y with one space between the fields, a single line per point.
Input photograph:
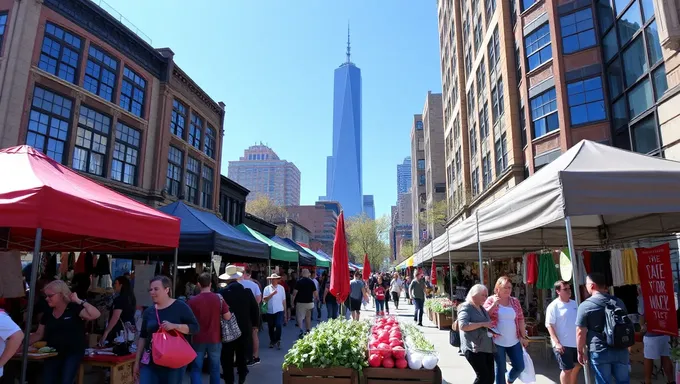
x=268 y=210
x=367 y=236
x=406 y=249
x=437 y=215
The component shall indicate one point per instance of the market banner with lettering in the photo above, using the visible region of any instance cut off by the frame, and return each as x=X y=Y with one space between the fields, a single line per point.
x=656 y=280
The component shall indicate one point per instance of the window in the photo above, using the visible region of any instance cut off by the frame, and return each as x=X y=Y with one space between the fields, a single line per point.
x=527 y=3
x=209 y=142
x=132 y=92
x=458 y=162
x=484 y=121
x=207 y=187
x=100 y=73
x=501 y=147
x=193 y=173
x=474 y=180
x=195 y=129
x=173 y=178
x=419 y=125
x=49 y=122
x=629 y=23
x=473 y=141
x=490 y=9
x=178 y=120
x=653 y=44
x=640 y=98
x=644 y=135
x=60 y=53
x=125 y=154
x=660 y=81
x=497 y=108
x=518 y=65
x=481 y=78
x=421 y=180
x=440 y=188
x=92 y=139
x=609 y=45
x=577 y=31
x=3 y=24
x=471 y=104
x=538 y=47
x=586 y=101
x=523 y=126
x=544 y=113
x=468 y=63
x=478 y=33
x=494 y=50
x=615 y=78
x=421 y=164
x=604 y=14
x=486 y=171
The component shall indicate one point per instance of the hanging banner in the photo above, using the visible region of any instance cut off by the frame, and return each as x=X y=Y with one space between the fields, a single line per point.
x=656 y=280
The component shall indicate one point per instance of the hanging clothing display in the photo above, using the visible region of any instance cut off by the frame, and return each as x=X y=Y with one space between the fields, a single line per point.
x=51 y=266
x=532 y=268
x=599 y=263
x=586 y=261
x=547 y=273
x=71 y=261
x=63 y=266
x=11 y=279
x=616 y=262
x=580 y=272
x=630 y=266
x=524 y=269
x=103 y=266
x=89 y=263
x=80 y=263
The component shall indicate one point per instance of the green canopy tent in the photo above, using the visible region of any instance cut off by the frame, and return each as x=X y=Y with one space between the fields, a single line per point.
x=320 y=260
x=278 y=251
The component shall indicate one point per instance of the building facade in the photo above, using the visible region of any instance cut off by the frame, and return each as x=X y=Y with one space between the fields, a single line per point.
x=404 y=209
x=418 y=195
x=435 y=168
x=83 y=88
x=262 y=171
x=369 y=206
x=321 y=219
x=404 y=176
x=344 y=167
x=232 y=201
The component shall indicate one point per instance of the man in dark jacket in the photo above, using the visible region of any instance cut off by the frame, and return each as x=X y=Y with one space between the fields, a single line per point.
x=242 y=304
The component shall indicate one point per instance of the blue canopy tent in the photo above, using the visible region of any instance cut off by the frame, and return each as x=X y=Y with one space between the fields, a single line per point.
x=305 y=258
x=203 y=232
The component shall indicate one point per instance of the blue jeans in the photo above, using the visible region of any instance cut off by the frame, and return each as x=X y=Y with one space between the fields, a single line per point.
x=62 y=369
x=214 y=352
x=332 y=309
x=155 y=374
x=611 y=363
x=274 y=324
x=516 y=358
x=379 y=305
x=418 y=315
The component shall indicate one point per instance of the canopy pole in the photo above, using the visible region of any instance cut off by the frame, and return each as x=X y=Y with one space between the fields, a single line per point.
x=479 y=251
x=574 y=272
x=174 y=273
x=450 y=266
x=35 y=266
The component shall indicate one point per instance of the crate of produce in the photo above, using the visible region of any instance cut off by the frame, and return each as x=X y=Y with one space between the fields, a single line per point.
x=444 y=320
x=337 y=375
x=400 y=376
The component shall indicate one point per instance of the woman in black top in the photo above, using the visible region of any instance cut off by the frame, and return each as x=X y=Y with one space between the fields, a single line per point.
x=63 y=328
x=122 y=311
x=174 y=315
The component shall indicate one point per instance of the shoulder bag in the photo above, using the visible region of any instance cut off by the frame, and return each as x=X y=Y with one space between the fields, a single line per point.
x=170 y=349
x=229 y=328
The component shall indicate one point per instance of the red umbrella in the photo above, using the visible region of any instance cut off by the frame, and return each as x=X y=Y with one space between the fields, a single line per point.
x=433 y=274
x=340 y=264
x=367 y=268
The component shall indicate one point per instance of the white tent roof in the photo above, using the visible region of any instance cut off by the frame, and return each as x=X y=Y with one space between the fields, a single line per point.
x=611 y=195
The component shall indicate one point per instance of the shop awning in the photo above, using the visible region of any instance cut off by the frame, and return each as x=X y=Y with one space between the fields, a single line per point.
x=277 y=251
x=320 y=260
x=203 y=232
x=304 y=258
x=74 y=212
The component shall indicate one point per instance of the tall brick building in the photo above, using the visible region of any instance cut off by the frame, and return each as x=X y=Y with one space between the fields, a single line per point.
x=92 y=94
x=524 y=80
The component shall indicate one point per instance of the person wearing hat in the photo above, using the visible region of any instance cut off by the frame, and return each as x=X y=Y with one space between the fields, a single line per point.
x=242 y=304
x=275 y=297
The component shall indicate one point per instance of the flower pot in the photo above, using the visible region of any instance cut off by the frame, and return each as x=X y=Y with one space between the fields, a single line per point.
x=444 y=321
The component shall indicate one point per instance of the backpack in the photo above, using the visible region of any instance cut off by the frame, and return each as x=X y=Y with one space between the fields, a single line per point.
x=619 y=330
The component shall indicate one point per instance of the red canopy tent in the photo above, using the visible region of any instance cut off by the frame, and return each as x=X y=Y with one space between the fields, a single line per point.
x=45 y=206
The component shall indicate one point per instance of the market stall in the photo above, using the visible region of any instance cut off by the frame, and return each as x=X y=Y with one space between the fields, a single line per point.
x=48 y=207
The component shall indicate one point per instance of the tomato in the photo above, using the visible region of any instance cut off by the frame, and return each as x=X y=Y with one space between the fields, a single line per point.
x=374 y=360
x=396 y=343
x=399 y=352
x=388 y=362
x=401 y=363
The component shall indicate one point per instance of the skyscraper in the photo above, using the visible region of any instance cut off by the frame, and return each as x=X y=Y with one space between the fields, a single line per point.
x=369 y=206
x=404 y=176
x=343 y=175
x=262 y=171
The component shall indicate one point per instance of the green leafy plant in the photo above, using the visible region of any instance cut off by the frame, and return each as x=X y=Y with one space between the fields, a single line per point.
x=440 y=305
x=415 y=338
x=334 y=343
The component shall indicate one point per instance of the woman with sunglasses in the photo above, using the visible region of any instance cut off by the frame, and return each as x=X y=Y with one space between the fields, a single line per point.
x=62 y=327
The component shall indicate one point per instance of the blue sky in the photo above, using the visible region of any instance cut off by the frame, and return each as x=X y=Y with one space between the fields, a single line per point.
x=272 y=64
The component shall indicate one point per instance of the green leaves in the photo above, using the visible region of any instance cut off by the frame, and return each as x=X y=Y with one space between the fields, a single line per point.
x=334 y=343
x=415 y=338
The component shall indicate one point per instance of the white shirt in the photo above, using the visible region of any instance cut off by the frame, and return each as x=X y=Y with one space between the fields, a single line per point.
x=562 y=316
x=506 y=327
x=254 y=288
x=275 y=304
x=7 y=329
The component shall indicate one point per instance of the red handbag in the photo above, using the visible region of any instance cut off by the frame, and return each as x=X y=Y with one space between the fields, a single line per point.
x=170 y=349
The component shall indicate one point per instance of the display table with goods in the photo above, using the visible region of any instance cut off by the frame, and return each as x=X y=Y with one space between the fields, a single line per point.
x=442 y=311
x=334 y=351
x=119 y=367
x=399 y=353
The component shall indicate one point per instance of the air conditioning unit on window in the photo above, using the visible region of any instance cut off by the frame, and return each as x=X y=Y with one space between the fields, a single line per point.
x=668 y=23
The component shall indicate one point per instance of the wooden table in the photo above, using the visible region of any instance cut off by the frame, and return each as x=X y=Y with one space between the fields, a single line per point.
x=120 y=367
